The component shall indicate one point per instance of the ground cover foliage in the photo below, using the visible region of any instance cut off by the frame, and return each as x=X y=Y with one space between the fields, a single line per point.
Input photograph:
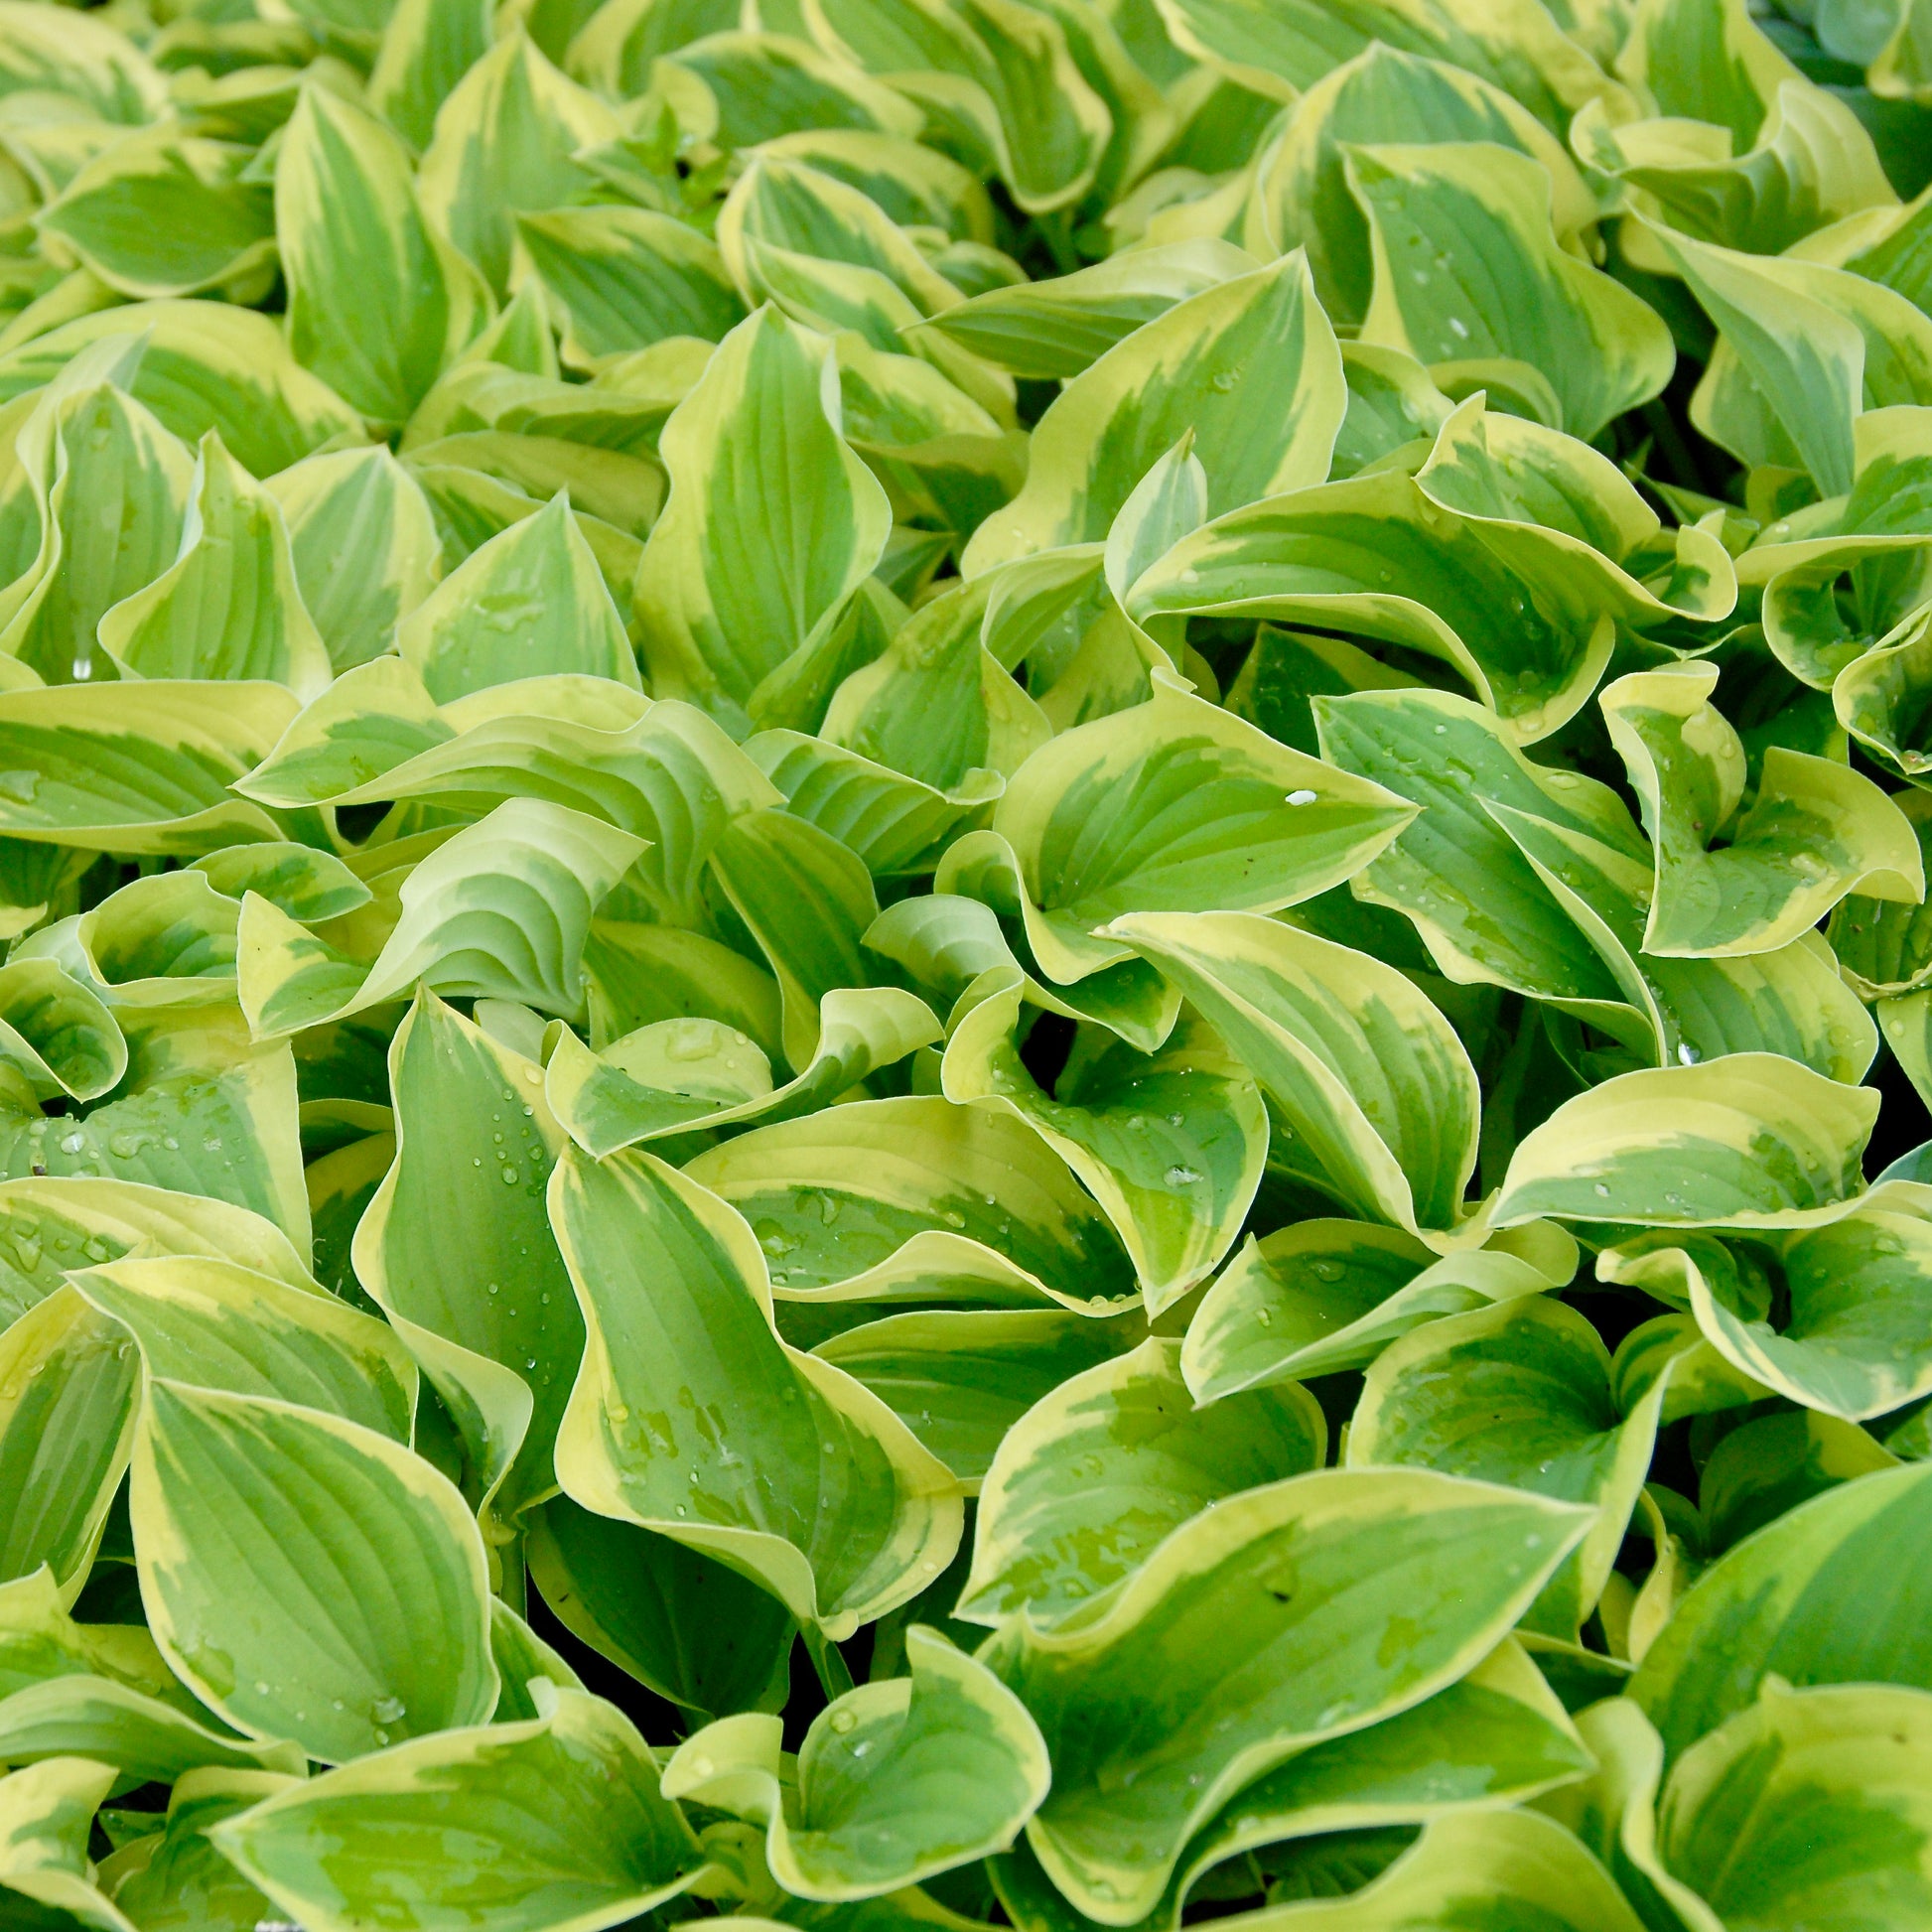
x=946 y=942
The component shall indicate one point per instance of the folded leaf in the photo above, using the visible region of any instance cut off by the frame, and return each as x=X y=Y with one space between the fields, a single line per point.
x=1518 y=1392
x=919 y=1200
x=834 y=1506
x=553 y=1821
x=1815 y=831
x=1097 y=1472
x=1368 y=1083
x=1289 y=1580
x=229 y=606
x=1789 y=1601
x=1750 y=1139
x=67 y=1413
x=1326 y=1296
x=676 y=1620
x=1170 y=1144
x=1185 y=370
x=959 y=1767
x=739 y=574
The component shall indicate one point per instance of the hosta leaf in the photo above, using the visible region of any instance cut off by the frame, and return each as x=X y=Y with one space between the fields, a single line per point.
x=45 y=1815
x=229 y=606
x=959 y=1767
x=358 y=504
x=530 y=602
x=142 y=1735
x=835 y=1507
x=377 y=300
x=1519 y=1394
x=918 y=1200
x=212 y=1325
x=284 y=1555
x=1805 y=348
x=673 y=1075
x=1170 y=1144
x=1282 y=1579
x=1851 y=1300
x=67 y=1410
x=1183 y=370
x=1374 y=555
x=961 y=1378
x=766 y=85
x=427 y=48
x=203 y=365
x=977 y=919
x=1468 y=268
x=1551 y=509
x=372 y=717
x=175 y=1876
x=1174 y=805
x=754 y=558
x=85 y=58
x=895 y=824
x=1477 y=904
x=504 y=143
x=83 y=450
x=1791 y=1001
x=1097 y=1472
x=202 y=1110
x=1497 y=1733
x=678 y=1620
x=559 y=1816
x=55 y=1033
x=303 y=882
x=637 y=974
x=455 y=1246
x=614 y=49
x=1058 y=327
x=802 y=212
x=1736 y=1800
x=52 y=1224
x=163 y=213
x=625 y=278
x=1750 y=1139
x=1283 y=49
x=1302 y=194
x=1367 y=1081
x=1829 y=1593
x=1771 y=1463
x=936 y=704
x=1326 y=1296
x=1809 y=165
x=90 y=770
x=1815 y=831
x=498 y=910
x=808 y=903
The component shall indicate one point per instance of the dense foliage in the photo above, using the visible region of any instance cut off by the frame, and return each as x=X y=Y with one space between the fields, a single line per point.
x=1045 y=850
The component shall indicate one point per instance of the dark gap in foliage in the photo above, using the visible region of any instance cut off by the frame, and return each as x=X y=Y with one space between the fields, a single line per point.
x=1048 y=1041
x=657 y=1717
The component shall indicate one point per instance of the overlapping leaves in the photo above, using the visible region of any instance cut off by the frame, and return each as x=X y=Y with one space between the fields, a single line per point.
x=1042 y=850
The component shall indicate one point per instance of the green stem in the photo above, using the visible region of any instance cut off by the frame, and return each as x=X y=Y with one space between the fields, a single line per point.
x=829 y=1662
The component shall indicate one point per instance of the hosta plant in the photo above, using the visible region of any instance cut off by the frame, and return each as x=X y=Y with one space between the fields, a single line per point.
x=943 y=950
